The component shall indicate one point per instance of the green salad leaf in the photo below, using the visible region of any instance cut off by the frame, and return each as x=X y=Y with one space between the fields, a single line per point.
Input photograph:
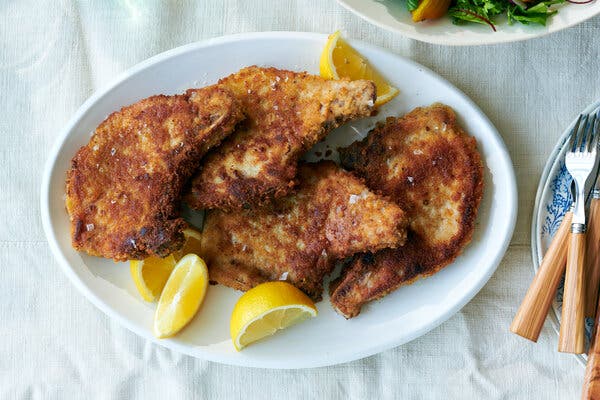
x=478 y=11
x=537 y=14
x=412 y=4
x=486 y=11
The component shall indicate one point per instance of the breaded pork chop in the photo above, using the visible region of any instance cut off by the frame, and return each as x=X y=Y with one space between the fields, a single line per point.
x=124 y=187
x=431 y=168
x=287 y=113
x=299 y=237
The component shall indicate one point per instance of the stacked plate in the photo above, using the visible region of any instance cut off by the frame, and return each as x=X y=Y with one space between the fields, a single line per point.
x=552 y=201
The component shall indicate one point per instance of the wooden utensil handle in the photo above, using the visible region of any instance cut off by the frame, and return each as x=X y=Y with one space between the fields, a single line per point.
x=571 y=335
x=592 y=259
x=534 y=308
x=591 y=383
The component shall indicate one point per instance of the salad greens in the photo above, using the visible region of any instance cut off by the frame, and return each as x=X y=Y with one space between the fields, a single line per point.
x=412 y=4
x=485 y=11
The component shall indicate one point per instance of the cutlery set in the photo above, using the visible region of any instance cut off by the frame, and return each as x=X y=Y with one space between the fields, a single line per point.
x=574 y=252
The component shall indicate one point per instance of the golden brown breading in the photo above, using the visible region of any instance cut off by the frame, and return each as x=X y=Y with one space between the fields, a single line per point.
x=299 y=237
x=124 y=186
x=287 y=113
x=431 y=168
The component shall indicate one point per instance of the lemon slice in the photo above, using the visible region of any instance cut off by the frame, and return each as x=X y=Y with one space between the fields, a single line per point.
x=267 y=308
x=151 y=274
x=181 y=297
x=340 y=60
x=193 y=239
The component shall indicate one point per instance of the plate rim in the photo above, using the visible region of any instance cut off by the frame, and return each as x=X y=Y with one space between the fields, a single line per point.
x=445 y=40
x=536 y=255
x=49 y=167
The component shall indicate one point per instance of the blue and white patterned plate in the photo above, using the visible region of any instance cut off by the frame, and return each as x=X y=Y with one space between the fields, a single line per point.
x=551 y=203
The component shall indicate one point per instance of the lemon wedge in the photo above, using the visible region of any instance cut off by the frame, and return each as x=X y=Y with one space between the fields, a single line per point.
x=151 y=274
x=266 y=309
x=193 y=239
x=340 y=60
x=181 y=297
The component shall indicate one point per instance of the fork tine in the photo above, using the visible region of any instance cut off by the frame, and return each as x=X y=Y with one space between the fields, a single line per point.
x=595 y=133
x=582 y=136
x=593 y=136
x=574 y=132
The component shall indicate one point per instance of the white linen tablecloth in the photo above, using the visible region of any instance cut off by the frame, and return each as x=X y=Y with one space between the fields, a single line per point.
x=56 y=344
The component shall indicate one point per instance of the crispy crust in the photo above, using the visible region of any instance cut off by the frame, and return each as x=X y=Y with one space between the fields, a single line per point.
x=332 y=216
x=287 y=113
x=124 y=186
x=431 y=168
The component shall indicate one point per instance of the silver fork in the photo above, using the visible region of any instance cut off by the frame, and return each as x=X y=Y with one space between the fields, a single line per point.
x=580 y=161
x=592 y=250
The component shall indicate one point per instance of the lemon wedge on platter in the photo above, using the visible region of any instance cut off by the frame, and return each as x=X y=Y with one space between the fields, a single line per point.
x=181 y=297
x=193 y=239
x=266 y=309
x=151 y=274
x=340 y=60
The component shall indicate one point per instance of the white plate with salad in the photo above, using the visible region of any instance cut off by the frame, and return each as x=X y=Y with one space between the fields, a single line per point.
x=473 y=22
